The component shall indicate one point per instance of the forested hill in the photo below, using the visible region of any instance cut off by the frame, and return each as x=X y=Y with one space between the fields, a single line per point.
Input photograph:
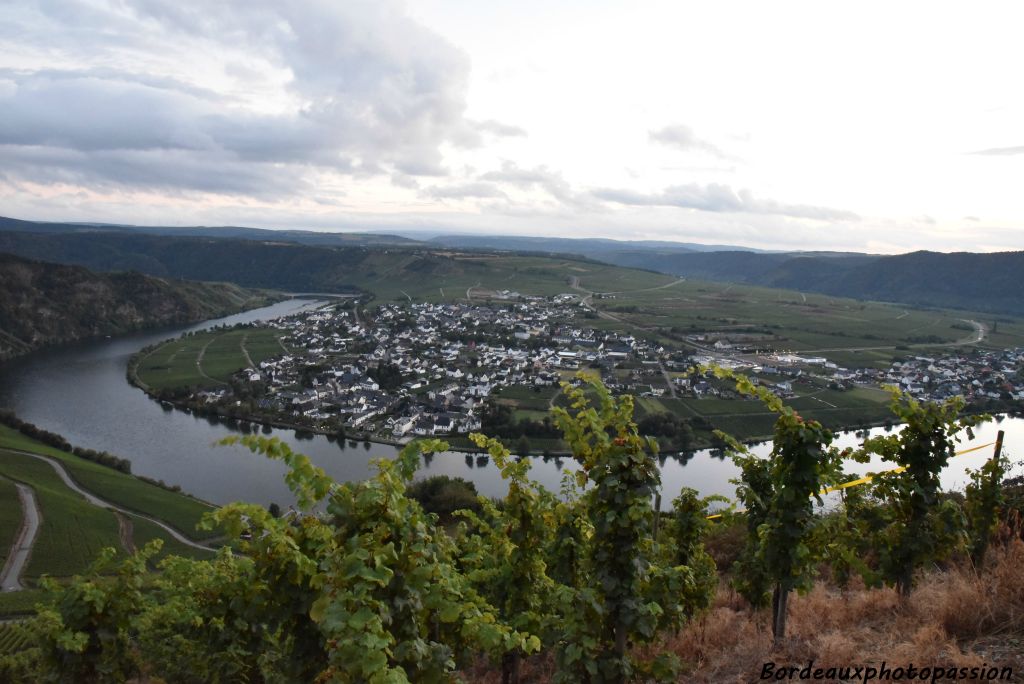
x=982 y=282
x=43 y=303
x=966 y=280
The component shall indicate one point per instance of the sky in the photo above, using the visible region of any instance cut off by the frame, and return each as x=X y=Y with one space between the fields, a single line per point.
x=867 y=126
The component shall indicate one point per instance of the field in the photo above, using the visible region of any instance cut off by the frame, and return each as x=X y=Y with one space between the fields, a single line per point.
x=528 y=398
x=21 y=602
x=207 y=359
x=72 y=532
x=145 y=530
x=449 y=275
x=742 y=418
x=179 y=510
x=13 y=638
x=846 y=331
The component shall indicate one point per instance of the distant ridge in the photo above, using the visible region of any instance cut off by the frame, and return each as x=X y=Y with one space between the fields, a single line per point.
x=306 y=237
x=347 y=262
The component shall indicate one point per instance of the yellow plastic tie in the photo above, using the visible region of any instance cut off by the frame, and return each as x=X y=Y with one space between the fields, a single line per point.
x=869 y=478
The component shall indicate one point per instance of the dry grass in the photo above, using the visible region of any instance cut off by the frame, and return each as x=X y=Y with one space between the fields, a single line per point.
x=956 y=617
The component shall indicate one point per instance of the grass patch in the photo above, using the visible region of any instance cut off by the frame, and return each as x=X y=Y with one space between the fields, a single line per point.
x=144 y=531
x=176 y=363
x=529 y=397
x=13 y=603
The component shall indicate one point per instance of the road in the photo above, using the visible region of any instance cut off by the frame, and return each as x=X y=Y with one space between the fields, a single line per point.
x=668 y=380
x=979 y=333
x=22 y=547
x=96 y=501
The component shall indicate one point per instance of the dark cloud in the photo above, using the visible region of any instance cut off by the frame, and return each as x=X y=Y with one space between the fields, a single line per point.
x=1000 y=151
x=719 y=198
x=167 y=170
x=683 y=138
x=375 y=92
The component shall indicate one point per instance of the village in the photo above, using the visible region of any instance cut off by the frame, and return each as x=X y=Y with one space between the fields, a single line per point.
x=406 y=370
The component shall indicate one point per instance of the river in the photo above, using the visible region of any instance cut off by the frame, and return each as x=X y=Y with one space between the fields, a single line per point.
x=80 y=392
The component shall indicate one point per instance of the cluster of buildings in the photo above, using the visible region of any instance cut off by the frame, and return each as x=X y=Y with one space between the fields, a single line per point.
x=980 y=376
x=415 y=369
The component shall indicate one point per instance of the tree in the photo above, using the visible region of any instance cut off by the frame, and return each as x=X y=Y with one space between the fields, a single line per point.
x=368 y=591
x=622 y=597
x=781 y=488
x=504 y=549
x=917 y=527
x=983 y=501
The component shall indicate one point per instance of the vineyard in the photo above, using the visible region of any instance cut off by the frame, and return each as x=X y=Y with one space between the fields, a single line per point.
x=587 y=584
x=13 y=639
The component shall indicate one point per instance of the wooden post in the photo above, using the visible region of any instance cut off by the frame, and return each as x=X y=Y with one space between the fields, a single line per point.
x=997 y=452
x=657 y=517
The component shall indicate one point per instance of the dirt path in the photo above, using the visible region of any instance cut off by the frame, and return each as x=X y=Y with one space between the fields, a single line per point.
x=199 y=363
x=21 y=549
x=469 y=291
x=102 y=503
x=245 y=352
x=126 y=531
x=574 y=283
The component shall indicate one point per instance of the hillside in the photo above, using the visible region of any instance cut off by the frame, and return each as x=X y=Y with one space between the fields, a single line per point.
x=44 y=303
x=390 y=266
x=962 y=280
x=387 y=272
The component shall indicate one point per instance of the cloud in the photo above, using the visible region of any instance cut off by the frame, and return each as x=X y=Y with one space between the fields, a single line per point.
x=551 y=182
x=683 y=138
x=719 y=198
x=499 y=129
x=364 y=89
x=465 y=191
x=1000 y=151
